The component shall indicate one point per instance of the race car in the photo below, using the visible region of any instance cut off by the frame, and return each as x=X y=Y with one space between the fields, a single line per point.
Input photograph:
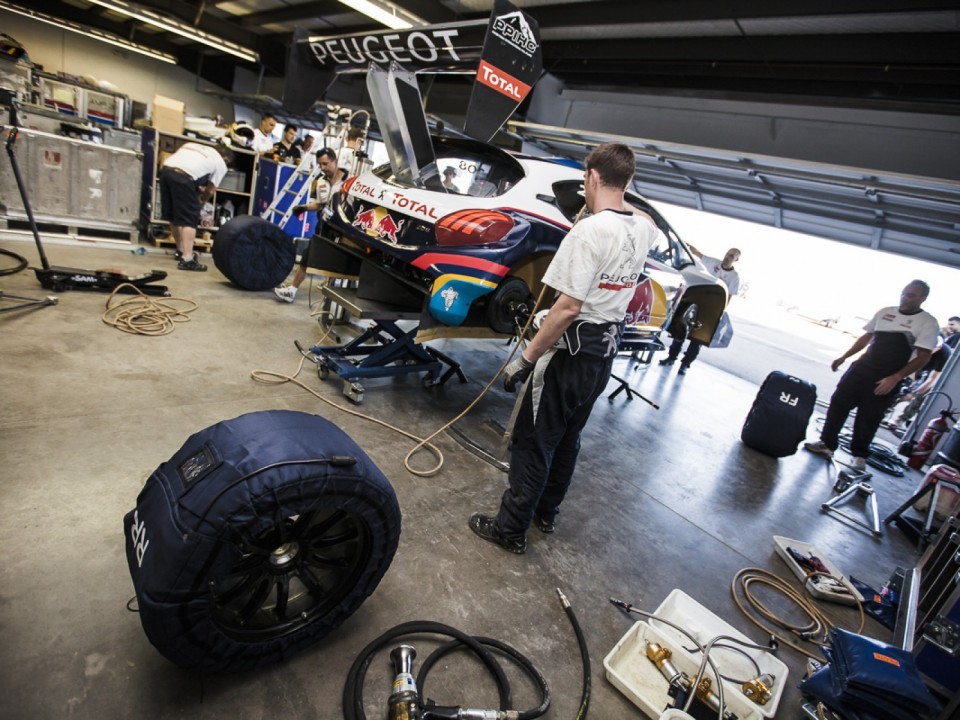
x=476 y=237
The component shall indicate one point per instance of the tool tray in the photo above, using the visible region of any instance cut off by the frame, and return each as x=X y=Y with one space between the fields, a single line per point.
x=817 y=587
x=631 y=672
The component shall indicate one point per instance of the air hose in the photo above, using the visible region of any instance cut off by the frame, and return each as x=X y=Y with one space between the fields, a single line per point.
x=353 y=689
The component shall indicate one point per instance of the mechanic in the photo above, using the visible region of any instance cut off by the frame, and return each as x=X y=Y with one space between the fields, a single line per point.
x=347 y=154
x=926 y=378
x=287 y=150
x=187 y=178
x=899 y=341
x=334 y=176
x=262 y=140
x=595 y=272
x=722 y=269
x=951 y=334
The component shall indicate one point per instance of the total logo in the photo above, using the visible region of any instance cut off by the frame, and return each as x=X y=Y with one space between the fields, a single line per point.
x=514 y=30
x=377 y=222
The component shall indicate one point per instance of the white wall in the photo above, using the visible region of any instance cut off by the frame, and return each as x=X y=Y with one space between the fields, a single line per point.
x=136 y=76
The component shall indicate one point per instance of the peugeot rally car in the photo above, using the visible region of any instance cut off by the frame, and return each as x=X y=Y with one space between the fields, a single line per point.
x=477 y=236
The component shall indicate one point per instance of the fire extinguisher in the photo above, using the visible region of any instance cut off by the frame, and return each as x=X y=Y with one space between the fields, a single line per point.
x=929 y=440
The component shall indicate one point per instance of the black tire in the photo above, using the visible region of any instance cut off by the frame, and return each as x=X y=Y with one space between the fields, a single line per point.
x=253 y=253
x=257 y=538
x=508 y=303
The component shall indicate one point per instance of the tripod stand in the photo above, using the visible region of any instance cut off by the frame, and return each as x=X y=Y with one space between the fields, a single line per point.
x=850 y=484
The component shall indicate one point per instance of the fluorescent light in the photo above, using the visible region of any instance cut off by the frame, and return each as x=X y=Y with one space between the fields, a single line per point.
x=104 y=37
x=385 y=12
x=178 y=28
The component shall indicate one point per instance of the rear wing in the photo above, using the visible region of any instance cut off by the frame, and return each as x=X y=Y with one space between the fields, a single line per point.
x=504 y=52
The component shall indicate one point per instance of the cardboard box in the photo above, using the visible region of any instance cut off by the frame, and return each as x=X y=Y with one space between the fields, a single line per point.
x=168 y=115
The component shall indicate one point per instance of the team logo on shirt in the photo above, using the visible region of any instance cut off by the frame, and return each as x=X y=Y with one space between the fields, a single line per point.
x=618 y=282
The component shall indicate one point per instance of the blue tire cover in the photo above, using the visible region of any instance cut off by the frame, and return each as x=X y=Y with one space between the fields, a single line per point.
x=259 y=536
x=253 y=253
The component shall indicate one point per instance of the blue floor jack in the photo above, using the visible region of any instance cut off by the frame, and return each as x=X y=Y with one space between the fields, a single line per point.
x=382 y=350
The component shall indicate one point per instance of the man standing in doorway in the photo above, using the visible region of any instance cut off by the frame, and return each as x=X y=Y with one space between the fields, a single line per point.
x=722 y=269
x=899 y=341
x=595 y=271
x=334 y=176
x=187 y=178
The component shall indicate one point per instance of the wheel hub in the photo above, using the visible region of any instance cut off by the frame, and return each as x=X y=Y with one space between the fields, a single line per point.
x=282 y=557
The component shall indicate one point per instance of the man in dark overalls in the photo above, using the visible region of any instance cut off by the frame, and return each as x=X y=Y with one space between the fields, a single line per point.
x=899 y=341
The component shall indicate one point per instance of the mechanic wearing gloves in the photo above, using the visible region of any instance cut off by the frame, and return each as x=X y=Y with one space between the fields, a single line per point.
x=596 y=272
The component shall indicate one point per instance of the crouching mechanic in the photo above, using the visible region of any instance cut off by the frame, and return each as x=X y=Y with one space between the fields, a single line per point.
x=189 y=176
x=595 y=271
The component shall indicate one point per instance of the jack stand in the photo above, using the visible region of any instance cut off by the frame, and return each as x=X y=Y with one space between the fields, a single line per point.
x=383 y=350
x=641 y=346
x=925 y=533
x=849 y=484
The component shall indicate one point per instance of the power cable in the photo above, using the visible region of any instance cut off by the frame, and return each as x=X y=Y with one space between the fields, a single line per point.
x=21 y=262
x=143 y=315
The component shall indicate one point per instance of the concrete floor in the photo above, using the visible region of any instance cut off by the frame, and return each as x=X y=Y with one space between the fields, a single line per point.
x=662 y=500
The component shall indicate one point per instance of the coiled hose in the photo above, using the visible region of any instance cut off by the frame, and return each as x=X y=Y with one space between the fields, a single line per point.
x=353 y=689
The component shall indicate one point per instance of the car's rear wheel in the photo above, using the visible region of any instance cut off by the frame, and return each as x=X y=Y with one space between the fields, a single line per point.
x=509 y=305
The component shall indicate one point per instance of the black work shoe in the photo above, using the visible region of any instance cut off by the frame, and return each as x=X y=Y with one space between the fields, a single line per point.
x=543 y=525
x=486 y=527
x=683 y=369
x=668 y=361
x=192 y=264
x=178 y=256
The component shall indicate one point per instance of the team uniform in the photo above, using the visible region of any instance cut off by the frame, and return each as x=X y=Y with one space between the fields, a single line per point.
x=182 y=175
x=730 y=278
x=600 y=263
x=895 y=336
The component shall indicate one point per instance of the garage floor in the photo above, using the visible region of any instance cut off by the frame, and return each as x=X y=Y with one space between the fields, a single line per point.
x=662 y=500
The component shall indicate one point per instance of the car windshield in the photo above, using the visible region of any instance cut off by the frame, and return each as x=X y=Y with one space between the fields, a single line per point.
x=468 y=167
x=668 y=248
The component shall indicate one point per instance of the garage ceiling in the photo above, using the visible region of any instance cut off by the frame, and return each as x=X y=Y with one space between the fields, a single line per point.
x=888 y=67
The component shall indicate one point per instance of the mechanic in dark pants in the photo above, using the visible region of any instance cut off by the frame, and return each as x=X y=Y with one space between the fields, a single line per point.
x=596 y=272
x=189 y=176
x=899 y=341
x=723 y=270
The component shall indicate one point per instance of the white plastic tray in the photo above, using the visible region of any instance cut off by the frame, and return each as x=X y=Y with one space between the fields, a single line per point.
x=631 y=672
x=820 y=588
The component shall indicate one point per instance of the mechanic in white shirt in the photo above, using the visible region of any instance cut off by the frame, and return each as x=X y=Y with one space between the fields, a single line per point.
x=597 y=271
x=263 y=141
x=899 y=341
x=722 y=269
x=187 y=177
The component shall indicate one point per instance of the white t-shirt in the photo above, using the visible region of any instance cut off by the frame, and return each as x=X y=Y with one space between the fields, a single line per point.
x=600 y=262
x=920 y=328
x=730 y=277
x=261 y=142
x=198 y=160
x=345 y=157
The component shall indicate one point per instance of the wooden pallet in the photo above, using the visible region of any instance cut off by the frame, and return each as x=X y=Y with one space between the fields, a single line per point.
x=202 y=244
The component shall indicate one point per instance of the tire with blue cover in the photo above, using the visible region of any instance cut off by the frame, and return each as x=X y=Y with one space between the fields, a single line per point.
x=257 y=538
x=253 y=253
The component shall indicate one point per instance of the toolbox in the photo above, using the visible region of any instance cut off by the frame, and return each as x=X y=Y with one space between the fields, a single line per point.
x=819 y=587
x=630 y=670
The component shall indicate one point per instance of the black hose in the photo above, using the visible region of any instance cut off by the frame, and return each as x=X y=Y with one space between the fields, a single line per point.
x=21 y=262
x=584 y=657
x=353 y=689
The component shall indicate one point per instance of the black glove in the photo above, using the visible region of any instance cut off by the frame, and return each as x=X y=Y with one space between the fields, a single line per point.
x=299 y=209
x=516 y=373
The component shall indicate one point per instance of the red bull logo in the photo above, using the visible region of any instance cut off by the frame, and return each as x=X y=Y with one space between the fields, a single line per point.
x=648 y=306
x=377 y=222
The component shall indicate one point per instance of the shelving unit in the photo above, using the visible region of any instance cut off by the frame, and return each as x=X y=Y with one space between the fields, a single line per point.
x=237 y=187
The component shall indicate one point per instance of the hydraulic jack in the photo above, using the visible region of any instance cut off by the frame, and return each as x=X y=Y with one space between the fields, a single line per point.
x=849 y=484
x=382 y=350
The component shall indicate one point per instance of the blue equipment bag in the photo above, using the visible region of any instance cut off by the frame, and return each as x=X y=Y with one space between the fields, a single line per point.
x=258 y=537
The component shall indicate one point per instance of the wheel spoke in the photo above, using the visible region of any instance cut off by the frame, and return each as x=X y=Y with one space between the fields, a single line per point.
x=346 y=535
x=253 y=605
x=324 y=561
x=283 y=595
x=311 y=583
x=325 y=525
x=240 y=588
